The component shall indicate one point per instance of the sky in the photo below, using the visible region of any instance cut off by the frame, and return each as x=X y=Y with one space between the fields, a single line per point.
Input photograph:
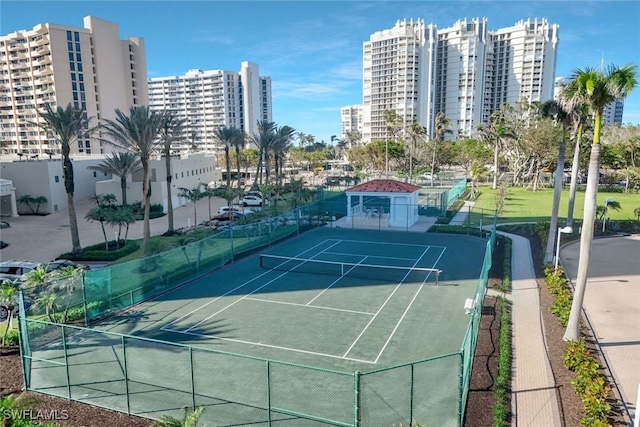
x=312 y=50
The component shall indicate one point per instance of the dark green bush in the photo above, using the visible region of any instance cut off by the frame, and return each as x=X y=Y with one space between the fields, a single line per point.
x=98 y=253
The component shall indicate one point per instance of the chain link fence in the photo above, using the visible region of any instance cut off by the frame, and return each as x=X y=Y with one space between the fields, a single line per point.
x=150 y=377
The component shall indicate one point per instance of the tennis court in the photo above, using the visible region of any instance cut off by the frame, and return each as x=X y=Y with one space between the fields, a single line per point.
x=370 y=317
x=288 y=336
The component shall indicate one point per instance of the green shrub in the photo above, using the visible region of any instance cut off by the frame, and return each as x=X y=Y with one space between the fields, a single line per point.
x=500 y=408
x=97 y=252
x=12 y=337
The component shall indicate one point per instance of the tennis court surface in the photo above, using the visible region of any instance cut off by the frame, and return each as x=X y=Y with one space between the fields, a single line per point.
x=331 y=327
x=370 y=317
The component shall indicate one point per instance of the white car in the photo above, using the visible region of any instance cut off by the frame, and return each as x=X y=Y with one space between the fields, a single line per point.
x=236 y=209
x=254 y=201
x=427 y=175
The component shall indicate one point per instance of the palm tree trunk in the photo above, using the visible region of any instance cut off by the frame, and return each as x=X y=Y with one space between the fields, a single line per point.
x=123 y=188
x=167 y=158
x=557 y=192
x=195 y=214
x=574 y=177
x=227 y=162
x=590 y=199
x=73 y=225
x=146 y=230
x=237 y=164
x=433 y=161
x=410 y=161
x=496 y=151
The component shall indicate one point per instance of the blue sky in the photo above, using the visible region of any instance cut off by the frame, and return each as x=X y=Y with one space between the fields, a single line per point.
x=313 y=49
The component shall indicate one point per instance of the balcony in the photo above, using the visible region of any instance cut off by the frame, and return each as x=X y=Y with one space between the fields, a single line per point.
x=42 y=50
x=18 y=55
x=45 y=79
x=43 y=60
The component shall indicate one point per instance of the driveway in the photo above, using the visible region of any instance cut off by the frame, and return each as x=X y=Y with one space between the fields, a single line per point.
x=43 y=238
x=612 y=304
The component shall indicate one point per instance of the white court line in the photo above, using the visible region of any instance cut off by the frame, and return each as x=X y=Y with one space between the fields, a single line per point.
x=334 y=282
x=407 y=309
x=252 y=292
x=370 y=256
x=385 y=303
x=393 y=244
x=309 y=306
x=273 y=346
x=236 y=288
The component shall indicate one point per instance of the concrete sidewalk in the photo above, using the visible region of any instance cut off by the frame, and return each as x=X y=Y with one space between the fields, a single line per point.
x=533 y=392
x=460 y=217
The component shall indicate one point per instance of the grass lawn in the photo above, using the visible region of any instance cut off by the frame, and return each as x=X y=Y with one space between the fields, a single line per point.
x=527 y=206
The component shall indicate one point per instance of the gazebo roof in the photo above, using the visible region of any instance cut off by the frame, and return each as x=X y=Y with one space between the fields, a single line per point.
x=384 y=186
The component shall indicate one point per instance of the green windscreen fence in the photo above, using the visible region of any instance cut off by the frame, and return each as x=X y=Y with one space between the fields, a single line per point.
x=122 y=285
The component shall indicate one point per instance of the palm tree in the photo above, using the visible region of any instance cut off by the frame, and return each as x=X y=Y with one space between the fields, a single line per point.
x=27 y=199
x=636 y=212
x=49 y=302
x=227 y=137
x=282 y=144
x=263 y=139
x=553 y=109
x=416 y=133
x=442 y=125
x=495 y=133
x=597 y=89
x=8 y=300
x=392 y=125
x=122 y=164
x=65 y=125
x=193 y=195
x=100 y=214
x=578 y=111
x=137 y=132
x=172 y=128
x=66 y=280
x=238 y=144
x=190 y=418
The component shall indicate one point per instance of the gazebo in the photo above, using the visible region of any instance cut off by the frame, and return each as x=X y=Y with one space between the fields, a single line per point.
x=395 y=202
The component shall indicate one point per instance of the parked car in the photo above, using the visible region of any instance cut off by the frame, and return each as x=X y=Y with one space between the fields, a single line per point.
x=427 y=175
x=15 y=270
x=254 y=201
x=223 y=210
x=61 y=263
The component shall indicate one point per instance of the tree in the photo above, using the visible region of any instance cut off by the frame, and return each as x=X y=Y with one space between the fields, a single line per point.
x=597 y=89
x=193 y=195
x=190 y=418
x=281 y=145
x=238 y=144
x=442 y=125
x=65 y=125
x=122 y=164
x=137 y=132
x=416 y=133
x=27 y=199
x=495 y=133
x=554 y=110
x=172 y=128
x=636 y=212
x=66 y=281
x=100 y=214
x=467 y=151
x=392 y=126
x=263 y=140
x=227 y=137
x=8 y=300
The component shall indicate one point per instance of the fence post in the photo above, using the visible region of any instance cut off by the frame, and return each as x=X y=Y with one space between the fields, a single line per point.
x=84 y=300
x=23 y=340
x=193 y=383
x=356 y=386
x=636 y=422
x=126 y=375
x=411 y=399
x=66 y=362
x=268 y=393
x=460 y=387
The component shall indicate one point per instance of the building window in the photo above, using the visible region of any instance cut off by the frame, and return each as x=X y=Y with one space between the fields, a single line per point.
x=81 y=77
x=70 y=56
x=56 y=178
x=95 y=175
x=80 y=67
x=76 y=36
x=69 y=35
x=78 y=47
x=75 y=97
x=78 y=57
x=73 y=77
x=69 y=46
x=72 y=66
x=74 y=86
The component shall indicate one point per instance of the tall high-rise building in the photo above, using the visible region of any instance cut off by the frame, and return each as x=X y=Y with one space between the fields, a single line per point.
x=90 y=67
x=351 y=119
x=465 y=71
x=212 y=99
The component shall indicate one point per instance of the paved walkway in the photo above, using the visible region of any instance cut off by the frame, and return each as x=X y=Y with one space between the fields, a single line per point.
x=460 y=217
x=533 y=398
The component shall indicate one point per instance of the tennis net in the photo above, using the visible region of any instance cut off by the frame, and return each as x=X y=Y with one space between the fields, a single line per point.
x=365 y=271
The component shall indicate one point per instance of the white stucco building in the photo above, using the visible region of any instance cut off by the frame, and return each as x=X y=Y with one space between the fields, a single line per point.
x=351 y=119
x=212 y=99
x=89 y=67
x=465 y=71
